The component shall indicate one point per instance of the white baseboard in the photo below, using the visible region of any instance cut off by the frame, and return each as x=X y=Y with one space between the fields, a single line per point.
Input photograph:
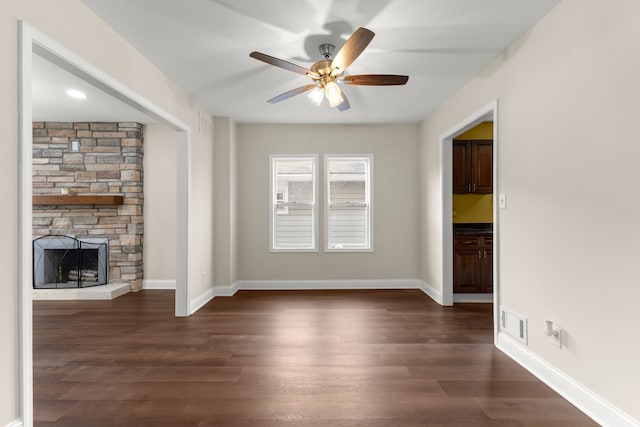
x=272 y=285
x=298 y=285
x=15 y=423
x=159 y=284
x=314 y=285
x=434 y=293
x=467 y=298
x=201 y=300
x=593 y=405
x=226 y=291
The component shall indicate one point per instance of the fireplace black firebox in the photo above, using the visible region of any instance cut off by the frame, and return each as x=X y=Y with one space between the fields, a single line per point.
x=67 y=262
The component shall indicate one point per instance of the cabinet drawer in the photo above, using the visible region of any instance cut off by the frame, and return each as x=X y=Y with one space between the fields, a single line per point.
x=464 y=242
x=487 y=241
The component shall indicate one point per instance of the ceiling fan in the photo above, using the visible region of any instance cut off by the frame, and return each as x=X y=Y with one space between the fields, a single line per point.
x=328 y=72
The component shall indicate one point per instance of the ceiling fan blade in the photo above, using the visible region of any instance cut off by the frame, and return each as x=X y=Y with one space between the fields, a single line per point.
x=293 y=92
x=281 y=63
x=351 y=50
x=375 y=80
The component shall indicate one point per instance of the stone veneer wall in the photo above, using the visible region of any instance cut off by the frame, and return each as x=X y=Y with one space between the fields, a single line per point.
x=109 y=162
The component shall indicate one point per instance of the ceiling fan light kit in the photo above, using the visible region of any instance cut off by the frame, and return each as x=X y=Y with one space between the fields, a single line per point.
x=316 y=95
x=327 y=73
x=333 y=94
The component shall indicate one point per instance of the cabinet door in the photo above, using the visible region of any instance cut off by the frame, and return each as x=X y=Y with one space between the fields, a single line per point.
x=486 y=275
x=482 y=166
x=466 y=271
x=461 y=171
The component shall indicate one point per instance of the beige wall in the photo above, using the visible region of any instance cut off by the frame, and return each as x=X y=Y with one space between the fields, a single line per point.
x=568 y=152
x=100 y=45
x=201 y=217
x=568 y=104
x=9 y=362
x=226 y=230
x=159 y=203
x=395 y=206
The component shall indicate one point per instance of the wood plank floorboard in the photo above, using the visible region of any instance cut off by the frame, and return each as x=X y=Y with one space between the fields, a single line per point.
x=389 y=358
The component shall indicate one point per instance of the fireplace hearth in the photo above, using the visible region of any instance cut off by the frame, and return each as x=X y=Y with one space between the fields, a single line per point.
x=61 y=262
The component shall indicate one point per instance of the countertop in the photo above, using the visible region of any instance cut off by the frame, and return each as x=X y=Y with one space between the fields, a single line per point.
x=475 y=229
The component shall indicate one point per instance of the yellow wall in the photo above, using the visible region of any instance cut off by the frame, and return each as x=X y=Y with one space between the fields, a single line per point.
x=483 y=131
x=474 y=207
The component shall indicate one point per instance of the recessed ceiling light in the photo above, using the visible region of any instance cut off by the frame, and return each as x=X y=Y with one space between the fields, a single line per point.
x=76 y=94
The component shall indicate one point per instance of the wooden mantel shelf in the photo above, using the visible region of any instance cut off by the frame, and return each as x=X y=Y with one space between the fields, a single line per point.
x=78 y=200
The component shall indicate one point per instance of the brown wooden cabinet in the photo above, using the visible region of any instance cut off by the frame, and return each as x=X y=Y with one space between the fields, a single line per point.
x=473 y=166
x=473 y=264
x=461 y=169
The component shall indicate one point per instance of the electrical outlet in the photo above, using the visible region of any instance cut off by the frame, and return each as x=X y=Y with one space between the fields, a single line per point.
x=554 y=332
x=557 y=340
x=204 y=275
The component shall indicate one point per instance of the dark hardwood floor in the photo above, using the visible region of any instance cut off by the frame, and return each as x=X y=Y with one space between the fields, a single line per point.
x=282 y=358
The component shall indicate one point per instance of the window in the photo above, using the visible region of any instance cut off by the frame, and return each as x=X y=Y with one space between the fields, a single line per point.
x=348 y=209
x=293 y=203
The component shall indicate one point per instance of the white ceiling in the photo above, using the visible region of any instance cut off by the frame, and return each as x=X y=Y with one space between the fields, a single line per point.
x=204 y=46
x=49 y=84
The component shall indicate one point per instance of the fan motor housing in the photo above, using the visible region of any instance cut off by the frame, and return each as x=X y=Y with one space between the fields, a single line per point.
x=322 y=67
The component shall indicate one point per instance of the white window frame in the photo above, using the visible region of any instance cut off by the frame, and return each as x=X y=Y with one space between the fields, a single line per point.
x=284 y=204
x=368 y=202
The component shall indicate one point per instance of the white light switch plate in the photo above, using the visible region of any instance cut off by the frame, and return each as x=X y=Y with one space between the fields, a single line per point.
x=502 y=200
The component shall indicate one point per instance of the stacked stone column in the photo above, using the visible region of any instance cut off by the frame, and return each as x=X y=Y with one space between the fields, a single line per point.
x=109 y=162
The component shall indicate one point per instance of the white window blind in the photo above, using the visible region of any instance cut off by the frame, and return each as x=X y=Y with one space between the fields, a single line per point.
x=293 y=204
x=348 y=213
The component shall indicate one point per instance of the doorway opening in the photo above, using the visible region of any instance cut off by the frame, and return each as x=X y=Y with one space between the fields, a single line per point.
x=32 y=42
x=472 y=214
x=488 y=113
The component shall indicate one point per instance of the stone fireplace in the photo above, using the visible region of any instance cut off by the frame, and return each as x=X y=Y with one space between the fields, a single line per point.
x=87 y=185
